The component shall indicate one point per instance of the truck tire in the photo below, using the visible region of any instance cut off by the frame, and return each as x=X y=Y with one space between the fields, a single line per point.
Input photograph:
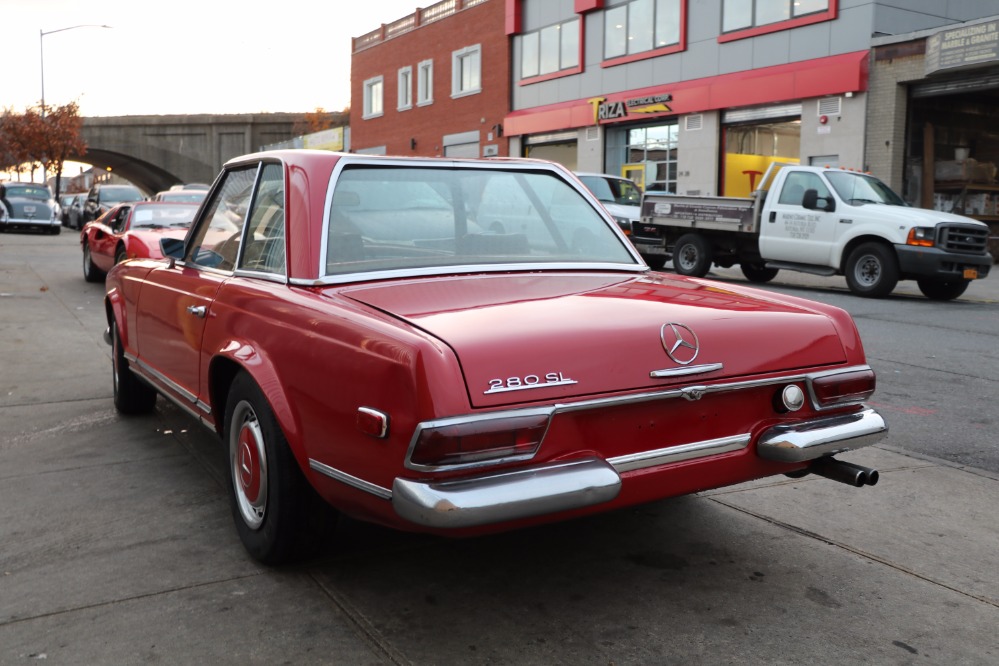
x=942 y=290
x=655 y=261
x=758 y=272
x=692 y=255
x=872 y=270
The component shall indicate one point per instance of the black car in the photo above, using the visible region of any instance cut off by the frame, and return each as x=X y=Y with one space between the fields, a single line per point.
x=103 y=197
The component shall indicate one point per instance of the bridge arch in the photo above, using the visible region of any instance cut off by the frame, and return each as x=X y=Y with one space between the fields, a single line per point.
x=155 y=152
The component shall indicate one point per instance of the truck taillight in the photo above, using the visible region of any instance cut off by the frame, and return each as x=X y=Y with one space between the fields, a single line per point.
x=843 y=388
x=478 y=441
x=921 y=236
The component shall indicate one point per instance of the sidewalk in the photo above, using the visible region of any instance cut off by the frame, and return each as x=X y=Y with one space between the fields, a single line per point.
x=117 y=546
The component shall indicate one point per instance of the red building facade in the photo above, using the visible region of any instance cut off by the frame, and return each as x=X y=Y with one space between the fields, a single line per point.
x=434 y=83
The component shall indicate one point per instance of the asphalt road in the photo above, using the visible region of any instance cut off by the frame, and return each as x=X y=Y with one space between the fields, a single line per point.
x=117 y=547
x=937 y=363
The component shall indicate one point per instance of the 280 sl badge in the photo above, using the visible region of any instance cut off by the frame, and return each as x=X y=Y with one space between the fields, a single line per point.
x=528 y=382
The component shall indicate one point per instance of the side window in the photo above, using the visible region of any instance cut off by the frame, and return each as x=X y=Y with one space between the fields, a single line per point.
x=797 y=183
x=216 y=240
x=118 y=224
x=264 y=249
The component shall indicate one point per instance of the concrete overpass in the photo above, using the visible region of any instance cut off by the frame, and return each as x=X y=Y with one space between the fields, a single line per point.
x=155 y=152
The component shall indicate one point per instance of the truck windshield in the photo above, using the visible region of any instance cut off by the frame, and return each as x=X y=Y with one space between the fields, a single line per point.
x=858 y=189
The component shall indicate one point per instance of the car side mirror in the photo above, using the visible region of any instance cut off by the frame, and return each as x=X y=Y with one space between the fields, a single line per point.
x=811 y=201
x=172 y=248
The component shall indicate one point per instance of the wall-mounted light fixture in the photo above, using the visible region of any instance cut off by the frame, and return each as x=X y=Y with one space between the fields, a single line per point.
x=412 y=143
x=498 y=130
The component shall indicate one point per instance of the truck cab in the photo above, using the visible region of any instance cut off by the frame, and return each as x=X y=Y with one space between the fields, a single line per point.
x=825 y=221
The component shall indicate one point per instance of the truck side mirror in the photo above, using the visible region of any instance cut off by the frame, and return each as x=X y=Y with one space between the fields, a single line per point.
x=811 y=201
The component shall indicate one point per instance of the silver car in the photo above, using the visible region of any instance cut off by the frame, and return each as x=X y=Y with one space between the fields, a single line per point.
x=28 y=206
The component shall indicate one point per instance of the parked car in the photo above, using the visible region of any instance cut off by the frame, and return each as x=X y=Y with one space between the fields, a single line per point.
x=622 y=197
x=65 y=200
x=466 y=346
x=102 y=197
x=131 y=230
x=28 y=206
x=188 y=196
x=76 y=208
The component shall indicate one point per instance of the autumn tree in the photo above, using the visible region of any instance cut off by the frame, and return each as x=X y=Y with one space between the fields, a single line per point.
x=319 y=120
x=33 y=139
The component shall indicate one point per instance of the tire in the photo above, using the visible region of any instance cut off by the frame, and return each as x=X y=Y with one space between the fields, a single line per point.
x=758 y=272
x=278 y=516
x=655 y=261
x=942 y=290
x=55 y=230
x=872 y=270
x=90 y=272
x=692 y=255
x=120 y=255
x=131 y=395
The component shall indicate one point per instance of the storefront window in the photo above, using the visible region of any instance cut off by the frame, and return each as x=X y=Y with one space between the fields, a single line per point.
x=654 y=148
x=751 y=148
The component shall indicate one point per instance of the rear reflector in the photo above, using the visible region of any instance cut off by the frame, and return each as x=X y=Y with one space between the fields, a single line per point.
x=843 y=388
x=479 y=441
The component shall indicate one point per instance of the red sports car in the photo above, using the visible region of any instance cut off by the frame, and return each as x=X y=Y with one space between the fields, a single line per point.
x=130 y=230
x=463 y=346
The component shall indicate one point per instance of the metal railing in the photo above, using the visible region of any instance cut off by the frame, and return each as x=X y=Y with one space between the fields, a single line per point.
x=421 y=17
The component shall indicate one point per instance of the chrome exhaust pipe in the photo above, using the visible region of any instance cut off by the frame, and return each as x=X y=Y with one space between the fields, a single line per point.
x=844 y=472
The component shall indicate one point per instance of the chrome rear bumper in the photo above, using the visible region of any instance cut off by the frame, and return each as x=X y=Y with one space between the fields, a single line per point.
x=546 y=489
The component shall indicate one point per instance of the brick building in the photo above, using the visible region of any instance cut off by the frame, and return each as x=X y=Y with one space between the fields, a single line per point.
x=693 y=97
x=436 y=82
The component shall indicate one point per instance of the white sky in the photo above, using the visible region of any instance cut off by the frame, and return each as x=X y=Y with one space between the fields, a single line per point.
x=186 y=56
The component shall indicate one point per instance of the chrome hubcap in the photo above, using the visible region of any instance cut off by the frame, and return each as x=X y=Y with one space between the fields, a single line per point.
x=249 y=465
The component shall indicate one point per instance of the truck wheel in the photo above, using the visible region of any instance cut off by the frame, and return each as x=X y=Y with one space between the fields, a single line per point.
x=942 y=290
x=758 y=272
x=692 y=255
x=655 y=261
x=872 y=270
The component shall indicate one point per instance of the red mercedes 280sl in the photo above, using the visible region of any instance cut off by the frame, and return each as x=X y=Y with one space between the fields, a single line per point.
x=464 y=346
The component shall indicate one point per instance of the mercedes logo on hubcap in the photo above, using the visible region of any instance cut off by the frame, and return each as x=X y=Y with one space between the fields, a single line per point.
x=680 y=342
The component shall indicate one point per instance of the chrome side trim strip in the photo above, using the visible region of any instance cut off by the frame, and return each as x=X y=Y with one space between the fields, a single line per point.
x=691 y=370
x=505 y=496
x=800 y=442
x=709 y=447
x=161 y=378
x=352 y=481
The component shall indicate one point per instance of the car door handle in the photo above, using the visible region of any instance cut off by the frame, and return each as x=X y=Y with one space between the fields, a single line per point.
x=197 y=310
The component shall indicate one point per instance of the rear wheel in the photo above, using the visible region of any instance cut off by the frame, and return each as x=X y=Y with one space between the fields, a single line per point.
x=758 y=272
x=872 y=270
x=131 y=394
x=279 y=517
x=90 y=271
x=942 y=290
x=120 y=255
x=692 y=255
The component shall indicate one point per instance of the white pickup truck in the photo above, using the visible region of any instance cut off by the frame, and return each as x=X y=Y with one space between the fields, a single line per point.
x=819 y=220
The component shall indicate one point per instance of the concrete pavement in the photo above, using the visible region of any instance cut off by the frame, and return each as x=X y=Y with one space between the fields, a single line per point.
x=116 y=546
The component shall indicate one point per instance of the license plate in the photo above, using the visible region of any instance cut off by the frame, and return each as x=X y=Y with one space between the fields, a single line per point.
x=29 y=209
x=970 y=273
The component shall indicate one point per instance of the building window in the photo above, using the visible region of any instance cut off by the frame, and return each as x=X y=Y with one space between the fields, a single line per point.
x=466 y=71
x=745 y=14
x=405 y=88
x=425 y=83
x=640 y=26
x=373 y=103
x=550 y=50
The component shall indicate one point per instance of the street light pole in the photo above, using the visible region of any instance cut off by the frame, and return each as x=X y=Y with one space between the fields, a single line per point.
x=41 y=50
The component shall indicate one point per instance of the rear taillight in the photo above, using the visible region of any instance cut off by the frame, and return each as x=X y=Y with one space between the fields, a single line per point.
x=469 y=442
x=843 y=388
